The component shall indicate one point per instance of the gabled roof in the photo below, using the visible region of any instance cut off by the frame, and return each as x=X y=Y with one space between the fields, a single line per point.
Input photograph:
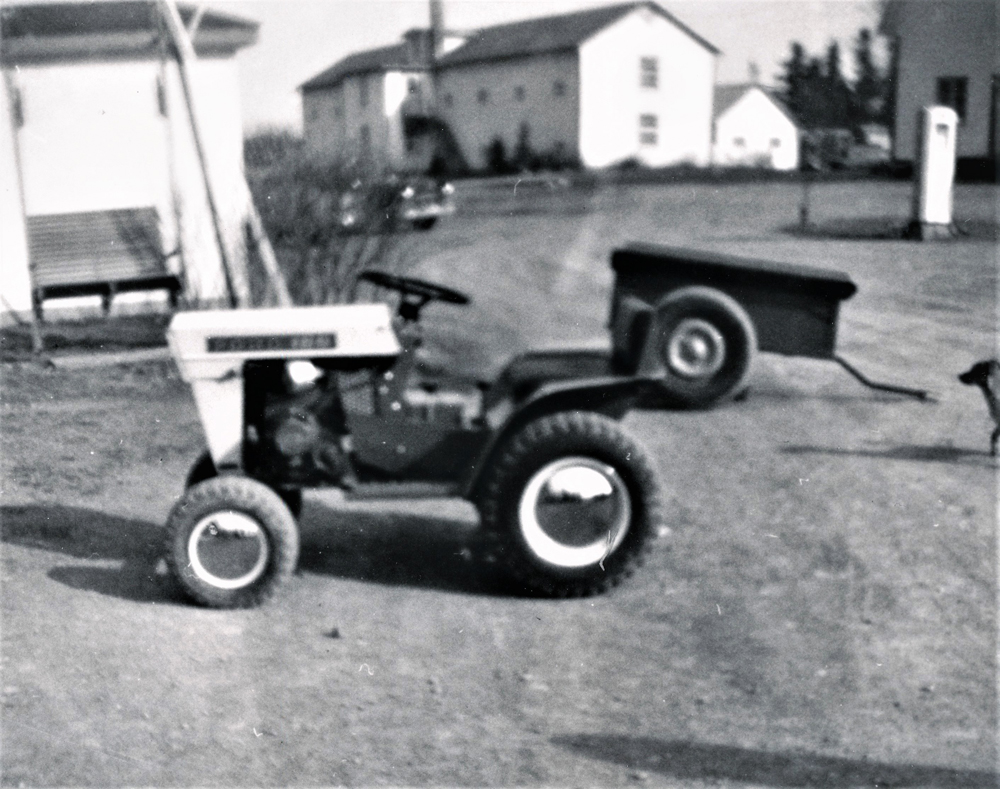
x=43 y=31
x=726 y=96
x=551 y=34
x=499 y=42
x=370 y=61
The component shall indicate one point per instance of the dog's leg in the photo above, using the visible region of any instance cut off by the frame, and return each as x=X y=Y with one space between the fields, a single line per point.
x=993 y=441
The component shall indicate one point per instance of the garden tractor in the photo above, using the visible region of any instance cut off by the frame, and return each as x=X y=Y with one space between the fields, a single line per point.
x=299 y=398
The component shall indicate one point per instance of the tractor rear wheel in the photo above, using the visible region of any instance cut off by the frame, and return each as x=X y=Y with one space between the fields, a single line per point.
x=572 y=504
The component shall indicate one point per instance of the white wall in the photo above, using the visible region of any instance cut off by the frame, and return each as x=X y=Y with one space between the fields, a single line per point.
x=322 y=127
x=946 y=38
x=612 y=99
x=217 y=101
x=755 y=132
x=15 y=284
x=551 y=119
x=94 y=138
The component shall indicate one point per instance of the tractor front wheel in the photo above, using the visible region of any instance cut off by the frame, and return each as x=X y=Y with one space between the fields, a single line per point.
x=231 y=542
x=204 y=468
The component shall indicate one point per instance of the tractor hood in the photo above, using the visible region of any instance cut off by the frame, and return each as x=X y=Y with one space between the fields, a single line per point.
x=212 y=344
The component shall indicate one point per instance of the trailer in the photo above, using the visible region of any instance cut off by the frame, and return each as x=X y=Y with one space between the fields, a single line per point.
x=711 y=313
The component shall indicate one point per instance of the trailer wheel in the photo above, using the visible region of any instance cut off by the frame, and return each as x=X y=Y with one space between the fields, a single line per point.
x=231 y=542
x=706 y=343
x=204 y=468
x=572 y=504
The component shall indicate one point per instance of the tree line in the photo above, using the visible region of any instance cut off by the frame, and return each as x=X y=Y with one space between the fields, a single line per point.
x=819 y=96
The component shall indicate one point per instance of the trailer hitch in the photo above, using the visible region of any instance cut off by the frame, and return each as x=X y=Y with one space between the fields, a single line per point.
x=920 y=394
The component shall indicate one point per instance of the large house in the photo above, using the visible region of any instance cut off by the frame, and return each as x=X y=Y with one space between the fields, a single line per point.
x=101 y=190
x=752 y=128
x=606 y=85
x=948 y=54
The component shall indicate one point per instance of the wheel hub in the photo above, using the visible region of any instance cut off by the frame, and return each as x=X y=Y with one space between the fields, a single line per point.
x=228 y=550
x=574 y=512
x=695 y=349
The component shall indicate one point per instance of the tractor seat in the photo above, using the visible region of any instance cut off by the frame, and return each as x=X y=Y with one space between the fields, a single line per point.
x=630 y=326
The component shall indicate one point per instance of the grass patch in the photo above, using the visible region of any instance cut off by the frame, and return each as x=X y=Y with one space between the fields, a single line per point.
x=93 y=334
x=888 y=229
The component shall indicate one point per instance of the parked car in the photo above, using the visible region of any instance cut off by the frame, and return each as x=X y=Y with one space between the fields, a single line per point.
x=417 y=201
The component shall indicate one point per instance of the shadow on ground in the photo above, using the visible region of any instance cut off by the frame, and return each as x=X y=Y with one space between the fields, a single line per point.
x=399 y=548
x=888 y=229
x=913 y=452
x=698 y=761
x=96 y=536
x=394 y=548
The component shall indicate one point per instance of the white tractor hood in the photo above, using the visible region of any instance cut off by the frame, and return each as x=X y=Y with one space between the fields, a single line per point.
x=213 y=344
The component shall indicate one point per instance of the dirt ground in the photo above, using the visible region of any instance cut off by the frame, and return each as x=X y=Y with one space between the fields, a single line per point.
x=822 y=612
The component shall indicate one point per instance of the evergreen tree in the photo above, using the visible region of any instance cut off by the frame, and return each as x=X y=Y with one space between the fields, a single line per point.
x=794 y=90
x=837 y=100
x=870 y=88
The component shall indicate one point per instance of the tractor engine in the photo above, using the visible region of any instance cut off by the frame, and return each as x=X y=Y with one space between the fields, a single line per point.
x=296 y=429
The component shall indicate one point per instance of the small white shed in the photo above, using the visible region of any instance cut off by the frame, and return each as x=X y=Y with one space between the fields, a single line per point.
x=752 y=128
x=101 y=189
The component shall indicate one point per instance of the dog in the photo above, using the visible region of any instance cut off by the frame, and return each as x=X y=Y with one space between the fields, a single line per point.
x=986 y=375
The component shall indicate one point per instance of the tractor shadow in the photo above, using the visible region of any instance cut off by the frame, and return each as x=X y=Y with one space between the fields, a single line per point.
x=912 y=452
x=392 y=545
x=702 y=762
x=123 y=557
x=95 y=539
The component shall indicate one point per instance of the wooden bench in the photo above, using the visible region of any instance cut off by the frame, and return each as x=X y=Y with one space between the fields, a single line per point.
x=98 y=253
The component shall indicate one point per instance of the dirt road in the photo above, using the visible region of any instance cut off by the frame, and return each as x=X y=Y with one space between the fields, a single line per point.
x=822 y=613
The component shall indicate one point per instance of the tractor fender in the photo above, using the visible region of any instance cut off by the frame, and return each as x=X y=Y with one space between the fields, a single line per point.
x=612 y=396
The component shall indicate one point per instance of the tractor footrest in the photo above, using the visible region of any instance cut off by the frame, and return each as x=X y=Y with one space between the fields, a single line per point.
x=401 y=490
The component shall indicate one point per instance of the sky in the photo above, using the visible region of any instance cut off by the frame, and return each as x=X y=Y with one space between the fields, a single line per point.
x=300 y=38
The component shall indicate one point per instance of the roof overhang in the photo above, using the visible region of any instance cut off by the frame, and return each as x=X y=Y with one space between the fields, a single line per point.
x=56 y=32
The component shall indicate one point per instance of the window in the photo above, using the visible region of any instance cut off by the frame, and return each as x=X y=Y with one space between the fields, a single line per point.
x=739 y=142
x=363 y=92
x=483 y=96
x=413 y=86
x=649 y=72
x=775 y=142
x=519 y=93
x=558 y=88
x=647 y=129
x=951 y=92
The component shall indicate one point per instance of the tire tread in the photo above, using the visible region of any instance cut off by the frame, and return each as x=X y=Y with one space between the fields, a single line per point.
x=244 y=494
x=566 y=431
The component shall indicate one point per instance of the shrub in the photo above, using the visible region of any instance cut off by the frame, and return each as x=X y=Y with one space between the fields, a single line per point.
x=299 y=202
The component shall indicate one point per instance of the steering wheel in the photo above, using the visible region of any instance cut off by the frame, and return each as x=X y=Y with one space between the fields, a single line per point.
x=416 y=292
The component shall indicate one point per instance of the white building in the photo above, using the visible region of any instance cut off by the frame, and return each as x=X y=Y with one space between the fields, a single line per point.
x=753 y=128
x=101 y=189
x=948 y=54
x=599 y=86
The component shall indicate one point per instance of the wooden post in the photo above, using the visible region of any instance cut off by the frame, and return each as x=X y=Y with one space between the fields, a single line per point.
x=185 y=53
x=184 y=48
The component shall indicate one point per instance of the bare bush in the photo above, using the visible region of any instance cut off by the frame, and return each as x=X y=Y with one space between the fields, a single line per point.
x=299 y=202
